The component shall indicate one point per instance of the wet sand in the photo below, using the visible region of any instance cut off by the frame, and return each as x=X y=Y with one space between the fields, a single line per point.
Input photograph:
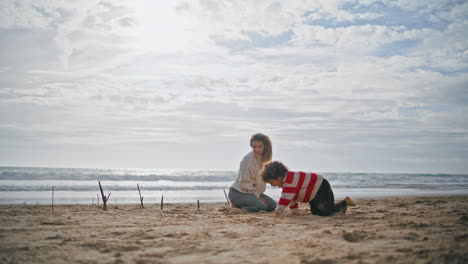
x=391 y=230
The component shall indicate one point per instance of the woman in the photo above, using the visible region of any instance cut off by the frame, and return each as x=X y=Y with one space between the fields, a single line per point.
x=247 y=191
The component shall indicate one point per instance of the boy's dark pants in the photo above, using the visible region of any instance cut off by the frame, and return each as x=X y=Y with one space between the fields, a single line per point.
x=324 y=202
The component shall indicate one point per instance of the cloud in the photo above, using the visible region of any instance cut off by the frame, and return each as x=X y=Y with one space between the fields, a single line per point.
x=338 y=82
x=24 y=14
x=365 y=38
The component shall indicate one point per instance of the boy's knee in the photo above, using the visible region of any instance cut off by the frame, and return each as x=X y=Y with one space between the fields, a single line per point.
x=324 y=209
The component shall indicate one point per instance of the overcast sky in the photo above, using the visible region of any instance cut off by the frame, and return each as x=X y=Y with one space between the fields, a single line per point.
x=339 y=86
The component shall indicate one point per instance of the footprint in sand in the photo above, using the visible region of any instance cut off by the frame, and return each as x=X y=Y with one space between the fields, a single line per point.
x=230 y=234
x=355 y=236
x=411 y=236
x=318 y=261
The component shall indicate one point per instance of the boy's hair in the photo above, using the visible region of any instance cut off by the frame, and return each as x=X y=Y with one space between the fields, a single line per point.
x=267 y=147
x=273 y=171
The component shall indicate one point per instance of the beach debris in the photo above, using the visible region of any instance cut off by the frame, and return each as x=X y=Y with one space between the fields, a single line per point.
x=141 y=197
x=35 y=207
x=53 y=190
x=198 y=204
x=25 y=205
x=162 y=202
x=104 y=198
x=227 y=199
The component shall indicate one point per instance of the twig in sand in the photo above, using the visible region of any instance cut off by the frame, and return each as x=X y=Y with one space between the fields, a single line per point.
x=27 y=206
x=227 y=199
x=141 y=197
x=162 y=202
x=198 y=204
x=36 y=204
x=53 y=190
x=104 y=198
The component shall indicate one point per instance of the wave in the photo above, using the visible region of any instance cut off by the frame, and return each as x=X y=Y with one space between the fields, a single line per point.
x=69 y=179
x=9 y=173
x=4 y=188
x=153 y=175
x=19 y=184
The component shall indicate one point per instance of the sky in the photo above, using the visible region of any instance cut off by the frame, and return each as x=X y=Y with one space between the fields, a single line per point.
x=338 y=86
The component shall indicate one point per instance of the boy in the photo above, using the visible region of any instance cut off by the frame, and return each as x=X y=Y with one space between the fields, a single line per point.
x=303 y=187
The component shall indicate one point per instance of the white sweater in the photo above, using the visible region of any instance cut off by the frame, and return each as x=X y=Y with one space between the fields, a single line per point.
x=248 y=179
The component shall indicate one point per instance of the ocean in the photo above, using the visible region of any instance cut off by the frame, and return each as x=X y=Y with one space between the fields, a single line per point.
x=80 y=186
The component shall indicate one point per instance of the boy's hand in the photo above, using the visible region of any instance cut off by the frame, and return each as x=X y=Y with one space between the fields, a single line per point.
x=295 y=212
x=278 y=213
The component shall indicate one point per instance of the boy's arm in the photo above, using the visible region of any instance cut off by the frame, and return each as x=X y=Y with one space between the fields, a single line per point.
x=287 y=195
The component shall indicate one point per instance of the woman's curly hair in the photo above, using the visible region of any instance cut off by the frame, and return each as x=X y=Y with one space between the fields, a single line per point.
x=267 y=147
x=273 y=171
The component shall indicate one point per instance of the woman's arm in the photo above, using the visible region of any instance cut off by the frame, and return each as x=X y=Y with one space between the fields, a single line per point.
x=246 y=177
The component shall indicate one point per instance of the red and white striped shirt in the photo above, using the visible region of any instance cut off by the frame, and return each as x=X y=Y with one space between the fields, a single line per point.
x=298 y=187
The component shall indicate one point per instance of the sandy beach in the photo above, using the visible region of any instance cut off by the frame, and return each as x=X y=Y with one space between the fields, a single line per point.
x=391 y=230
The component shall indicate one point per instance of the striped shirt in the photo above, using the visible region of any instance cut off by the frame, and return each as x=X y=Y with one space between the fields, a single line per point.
x=298 y=187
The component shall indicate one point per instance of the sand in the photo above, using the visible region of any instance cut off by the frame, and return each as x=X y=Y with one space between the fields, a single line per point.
x=391 y=230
